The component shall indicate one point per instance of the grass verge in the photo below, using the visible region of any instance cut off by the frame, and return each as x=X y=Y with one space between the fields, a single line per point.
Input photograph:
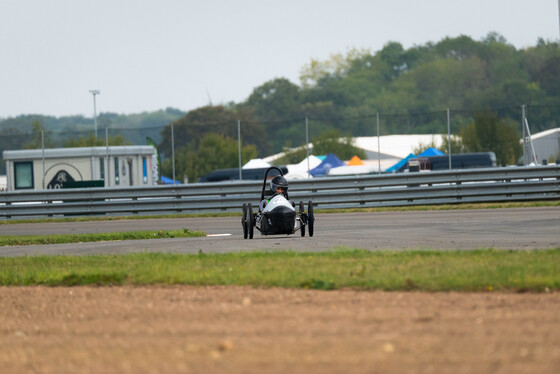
x=465 y=271
x=95 y=237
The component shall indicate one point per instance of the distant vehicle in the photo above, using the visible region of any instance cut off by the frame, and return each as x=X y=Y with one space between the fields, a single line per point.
x=458 y=161
x=279 y=215
x=233 y=174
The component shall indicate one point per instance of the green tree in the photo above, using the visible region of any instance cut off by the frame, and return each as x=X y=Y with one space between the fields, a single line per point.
x=213 y=119
x=393 y=57
x=548 y=76
x=275 y=98
x=275 y=103
x=330 y=141
x=344 y=92
x=93 y=141
x=39 y=137
x=292 y=156
x=489 y=133
x=421 y=147
x=456 y=145
x=341 y=145
x=335 y=67
x=214 y=152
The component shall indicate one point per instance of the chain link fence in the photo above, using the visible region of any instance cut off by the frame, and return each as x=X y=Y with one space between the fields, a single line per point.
x=534 y=128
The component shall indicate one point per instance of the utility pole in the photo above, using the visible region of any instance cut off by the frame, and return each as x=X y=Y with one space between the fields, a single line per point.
x=307 y=145
x=94 y=93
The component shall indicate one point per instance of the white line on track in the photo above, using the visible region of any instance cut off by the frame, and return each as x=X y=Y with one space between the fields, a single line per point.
x=218 y=235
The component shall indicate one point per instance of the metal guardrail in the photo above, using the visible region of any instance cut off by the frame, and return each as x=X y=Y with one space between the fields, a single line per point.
x=402 y=189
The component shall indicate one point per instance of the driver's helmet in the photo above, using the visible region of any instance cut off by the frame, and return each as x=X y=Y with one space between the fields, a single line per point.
x=279 y=182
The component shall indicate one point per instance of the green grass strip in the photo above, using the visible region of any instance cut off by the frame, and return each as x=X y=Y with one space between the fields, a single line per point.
x=465 y=271
x=95 y=237
x=119 y=218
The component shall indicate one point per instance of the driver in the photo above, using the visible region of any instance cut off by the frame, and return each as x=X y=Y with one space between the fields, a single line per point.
x=278 y=185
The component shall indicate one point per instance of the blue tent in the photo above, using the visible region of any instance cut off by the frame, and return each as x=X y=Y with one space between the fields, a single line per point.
x=330 y=162
x=166 y=180
x=431 y=152
x=400 y=164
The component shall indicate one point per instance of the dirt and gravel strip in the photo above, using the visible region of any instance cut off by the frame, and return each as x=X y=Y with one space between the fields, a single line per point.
x=184 y=329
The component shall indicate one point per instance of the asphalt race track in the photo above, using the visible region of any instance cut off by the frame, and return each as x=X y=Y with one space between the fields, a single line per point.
x=511 y=228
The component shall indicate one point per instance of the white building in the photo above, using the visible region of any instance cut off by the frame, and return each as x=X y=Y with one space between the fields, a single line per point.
x=114 y=166
x=395 y=147
x=547 y=145
x=383 y=152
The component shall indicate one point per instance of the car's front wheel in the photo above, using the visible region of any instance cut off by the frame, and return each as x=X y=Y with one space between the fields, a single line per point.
x=250 y=220
x=310 y=218
x=244 y=222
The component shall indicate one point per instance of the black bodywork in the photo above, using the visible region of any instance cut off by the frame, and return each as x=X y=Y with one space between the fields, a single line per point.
x=282 y=219
x=279 y=221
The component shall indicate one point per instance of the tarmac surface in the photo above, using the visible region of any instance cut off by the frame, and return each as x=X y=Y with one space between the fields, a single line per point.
x=508 y=228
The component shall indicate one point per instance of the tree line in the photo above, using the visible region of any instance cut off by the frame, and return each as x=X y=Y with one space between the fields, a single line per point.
x=483 y=82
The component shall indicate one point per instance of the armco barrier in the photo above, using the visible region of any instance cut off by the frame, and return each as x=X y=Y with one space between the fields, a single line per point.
x=402 y=189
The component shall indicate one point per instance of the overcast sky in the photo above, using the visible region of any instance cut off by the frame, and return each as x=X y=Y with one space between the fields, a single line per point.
x=145 y=55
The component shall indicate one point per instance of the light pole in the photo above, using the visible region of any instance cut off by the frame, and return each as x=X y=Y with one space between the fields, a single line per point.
x=95 y=92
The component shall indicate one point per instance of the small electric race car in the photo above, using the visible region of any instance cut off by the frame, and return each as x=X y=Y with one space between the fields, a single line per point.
x=276 y=213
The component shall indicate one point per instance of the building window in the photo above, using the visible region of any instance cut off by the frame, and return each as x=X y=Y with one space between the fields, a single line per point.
x=145 y=169
x=101 y=168
x=116 y=170
x=23 y=175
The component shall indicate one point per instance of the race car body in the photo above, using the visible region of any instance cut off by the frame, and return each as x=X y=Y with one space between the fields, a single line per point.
x=277 y=217
x=277 y=214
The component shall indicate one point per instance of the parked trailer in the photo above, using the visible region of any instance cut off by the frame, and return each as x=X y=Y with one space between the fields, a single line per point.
x=458 y=161
x=114 y=166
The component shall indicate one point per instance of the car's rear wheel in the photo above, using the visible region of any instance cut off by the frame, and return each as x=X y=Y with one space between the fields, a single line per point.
x=302 y=220
x=244 y=222
x=250 y=220
x=310 y=218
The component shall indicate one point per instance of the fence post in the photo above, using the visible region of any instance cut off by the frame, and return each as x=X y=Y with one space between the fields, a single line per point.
x=524 y=135
x=378 y=147
x=43 y=150
x=108 y=169
x=449 y=137
x=239 y=147
x=307 y=145
x=173 y=152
